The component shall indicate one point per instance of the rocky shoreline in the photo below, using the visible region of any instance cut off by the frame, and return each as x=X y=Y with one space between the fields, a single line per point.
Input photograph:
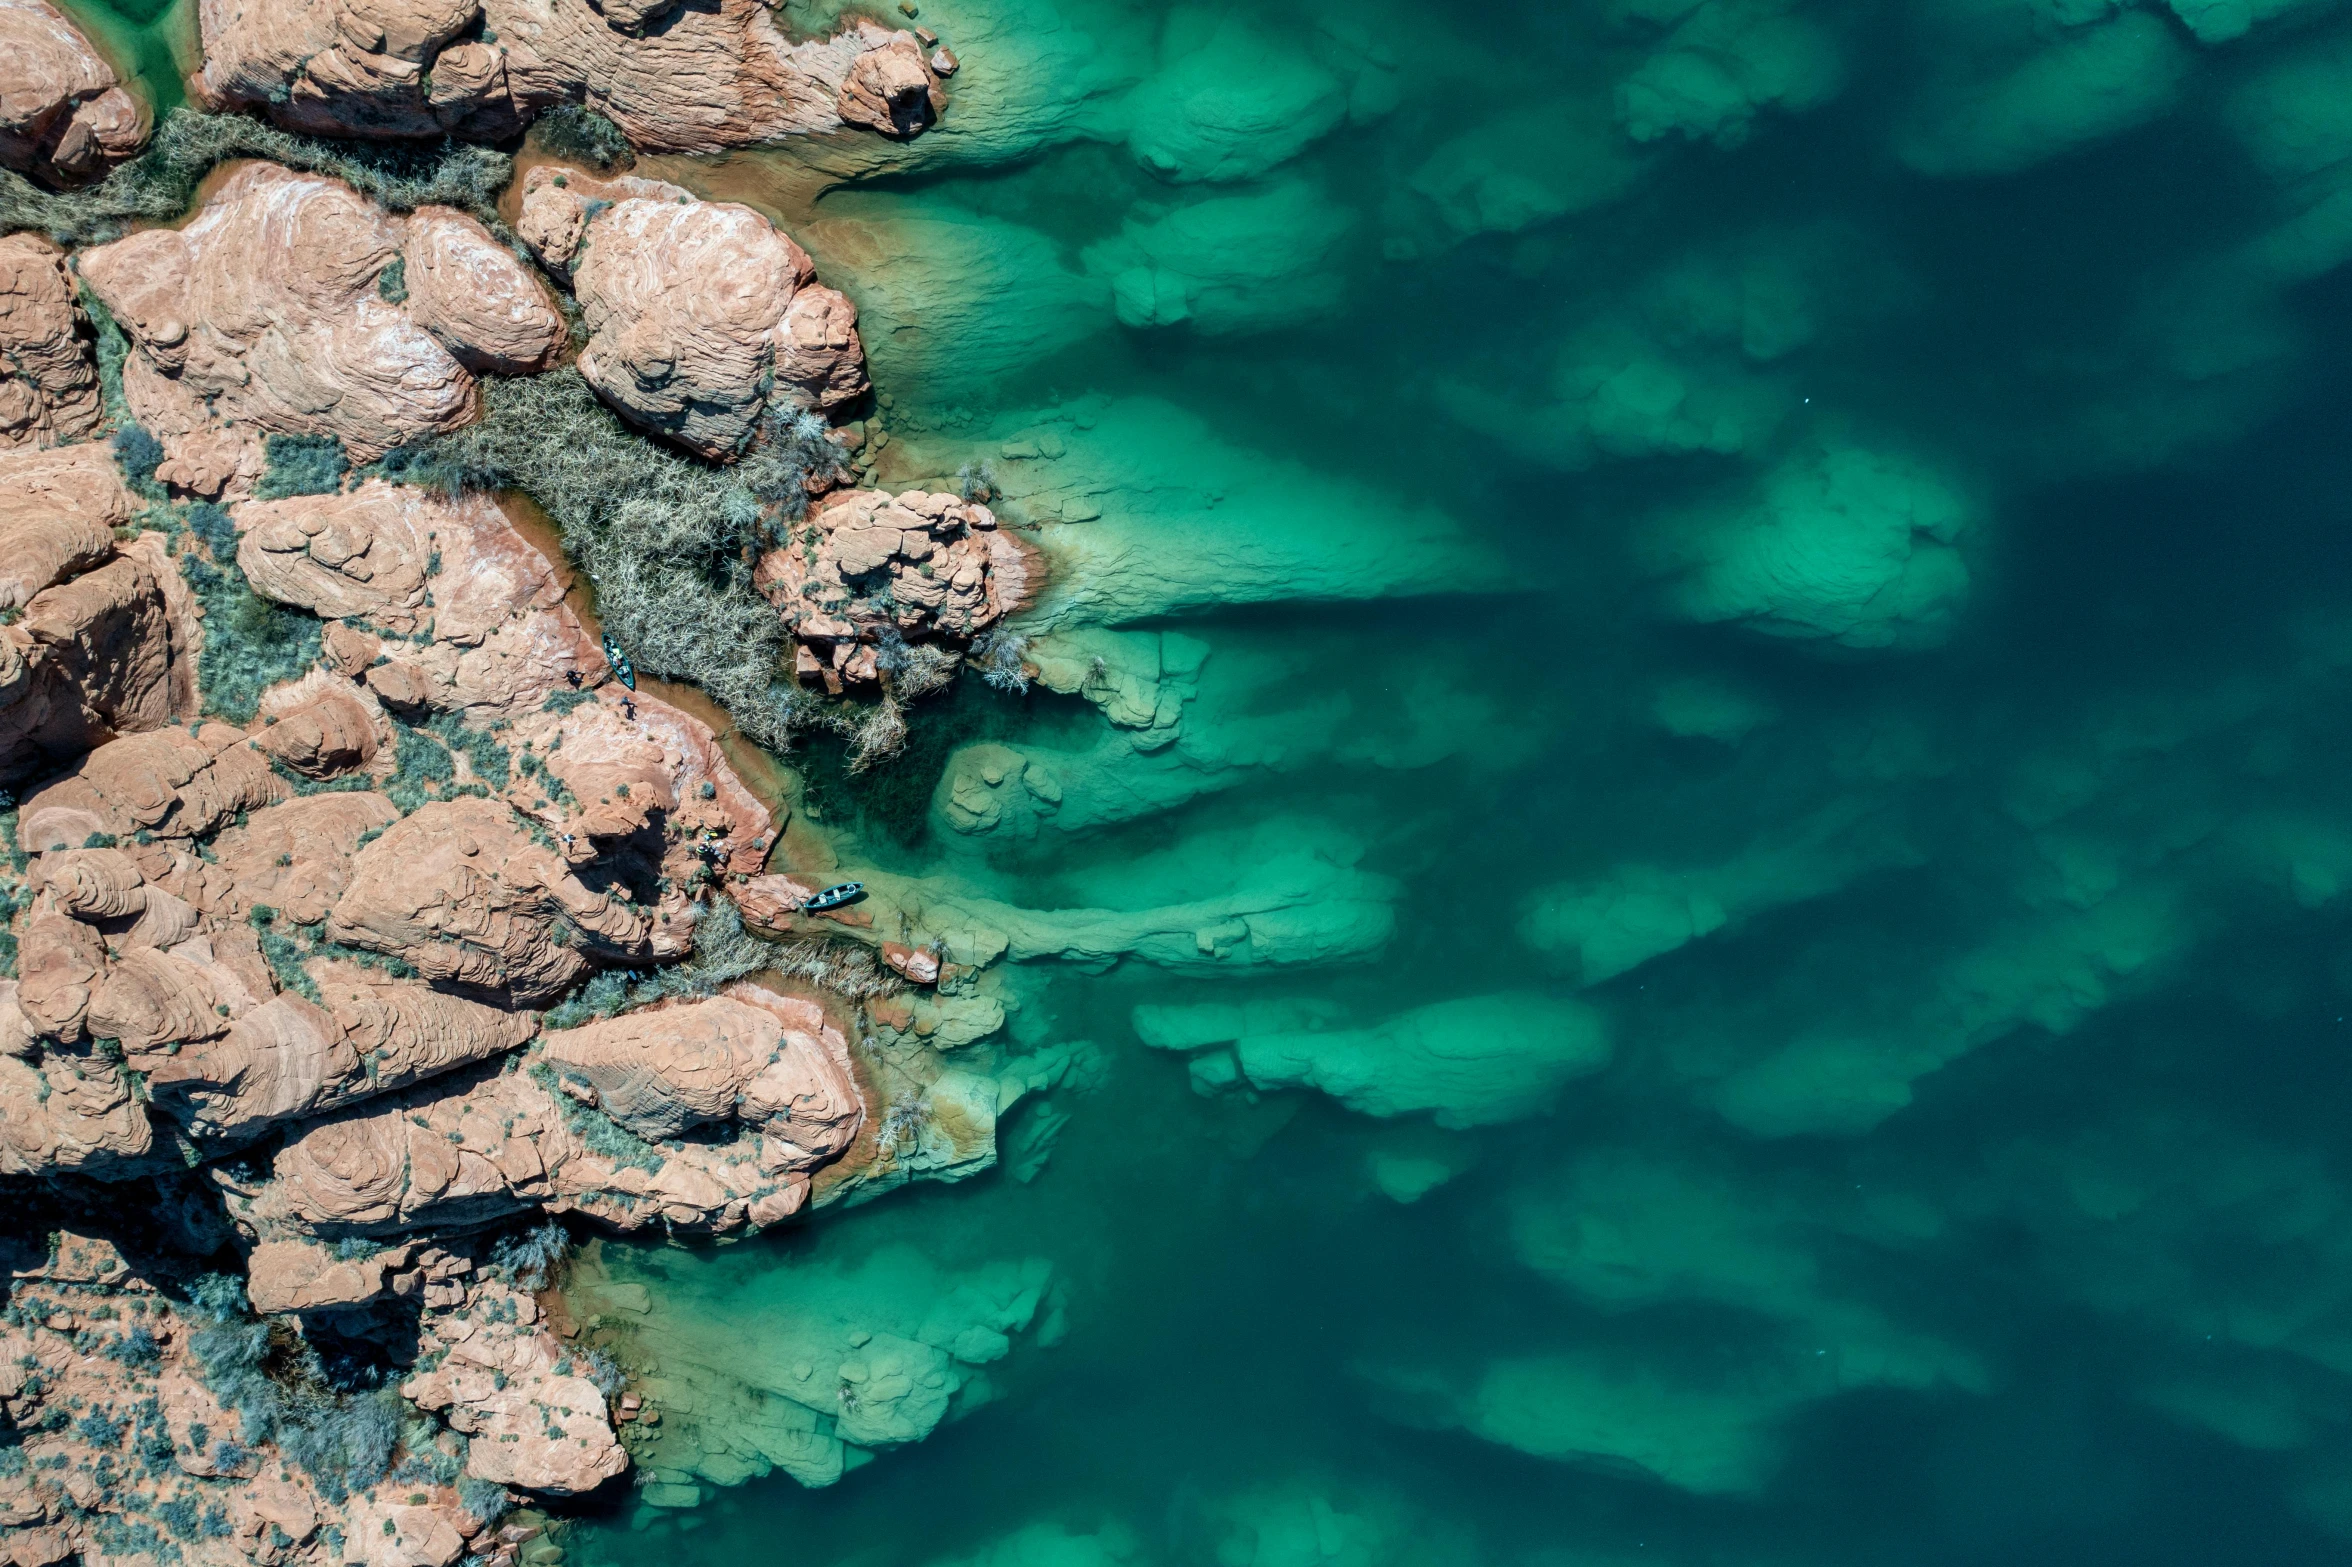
x=362 y=914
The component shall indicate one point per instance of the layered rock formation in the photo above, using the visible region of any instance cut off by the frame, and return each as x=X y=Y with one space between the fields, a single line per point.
x=675 y=78
x=211 y=949
x=64 y=117
x=48 y=380
x=700 y=314
x=100 y=638
x=270 y=312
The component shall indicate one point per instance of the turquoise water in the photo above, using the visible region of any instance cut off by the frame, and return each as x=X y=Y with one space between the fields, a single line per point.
x=152 y=43
x=1728 y=625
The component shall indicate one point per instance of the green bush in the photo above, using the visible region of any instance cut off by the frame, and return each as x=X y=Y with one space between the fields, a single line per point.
x=485 y=1499
x=345 y=1438
x=488 y=758
x=213 y=526
x=138 y=454
x=302 y=465
x=250 y=644
x=392 y=282
x=161 y=182
x=281 y=952
x=424 y=770
x=578 y=134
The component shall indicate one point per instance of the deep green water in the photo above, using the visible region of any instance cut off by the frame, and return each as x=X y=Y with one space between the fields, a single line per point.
x=1798 y=546
x=152 y=42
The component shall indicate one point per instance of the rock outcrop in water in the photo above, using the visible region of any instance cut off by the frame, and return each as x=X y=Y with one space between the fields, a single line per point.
x=866 y=570
x=64 y=117
x=675 y=78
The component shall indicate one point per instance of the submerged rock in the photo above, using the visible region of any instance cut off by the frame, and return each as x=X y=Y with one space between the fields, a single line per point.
x=804 y=1365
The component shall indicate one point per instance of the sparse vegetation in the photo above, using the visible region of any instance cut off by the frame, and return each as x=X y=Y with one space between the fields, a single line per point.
x=723 y=953
x=598 y=1132
x=528 y=1259
x=485 y=1499
x=392 y=282
x=343 y=1436
x=489 y=760
x=423 y=763
x=161 y=182
x=138 y=454
x=281 y=952
x=669 y=541
x=579 y=134
x=999 y=653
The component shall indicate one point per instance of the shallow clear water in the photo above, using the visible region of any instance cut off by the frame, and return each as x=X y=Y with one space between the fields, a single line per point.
x=1797 y=548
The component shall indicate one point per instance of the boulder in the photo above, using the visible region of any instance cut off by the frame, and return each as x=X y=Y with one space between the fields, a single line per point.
x=104 y=641
x=174 y=783
x=270 y=307
x=500 y=1377
x=320 y=726
x=64 y=117
x=295 y=856
x=892 y=89
x=471 y=293
x=475 y=1147
x=697 y=312
x=363 y=554
x=71 y=1112
x=866 y=565
x=48 y=377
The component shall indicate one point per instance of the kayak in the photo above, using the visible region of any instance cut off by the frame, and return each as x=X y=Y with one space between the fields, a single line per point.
x=622 y=669
x=834 y=897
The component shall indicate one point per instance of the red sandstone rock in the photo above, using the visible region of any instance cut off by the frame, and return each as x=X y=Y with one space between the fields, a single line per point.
x=741 y=1057
x=295 y=857
x=503 y=1379
x=103 y=646
x=692 y=307
x=268 y=306
x=320 y=726
x=460 y=890
x=48 y=377
x=891 y=89
x=676 y=78
x=175 y=783
x=470 y=292
x=919 y=964
x=63 y=115
x=919 y=565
